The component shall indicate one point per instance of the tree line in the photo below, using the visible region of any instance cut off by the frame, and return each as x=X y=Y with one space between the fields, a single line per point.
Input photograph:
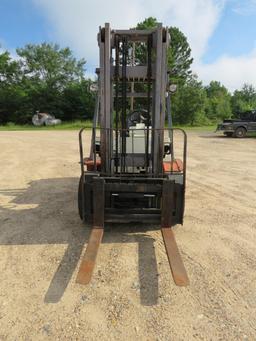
x=44 y=77
x=48 y=78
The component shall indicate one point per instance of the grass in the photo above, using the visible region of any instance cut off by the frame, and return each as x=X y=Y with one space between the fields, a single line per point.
x=76 y=125
x=64 y=126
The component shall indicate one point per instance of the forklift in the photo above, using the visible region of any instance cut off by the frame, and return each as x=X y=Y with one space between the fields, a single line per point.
x=131 y=174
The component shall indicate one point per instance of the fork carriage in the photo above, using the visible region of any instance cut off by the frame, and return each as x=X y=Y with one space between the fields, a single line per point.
x=132 y=174
x=134 y=195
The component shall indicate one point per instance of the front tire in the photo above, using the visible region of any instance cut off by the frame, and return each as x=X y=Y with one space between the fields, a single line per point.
x=240 y=132
x=80 y=198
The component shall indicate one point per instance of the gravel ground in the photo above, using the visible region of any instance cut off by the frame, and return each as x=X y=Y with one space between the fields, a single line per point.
x=132 y=295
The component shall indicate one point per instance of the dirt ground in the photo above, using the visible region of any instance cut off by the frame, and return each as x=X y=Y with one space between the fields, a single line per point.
x=132 y=295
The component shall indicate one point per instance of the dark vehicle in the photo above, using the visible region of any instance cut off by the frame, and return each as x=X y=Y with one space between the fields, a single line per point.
x=239 y=127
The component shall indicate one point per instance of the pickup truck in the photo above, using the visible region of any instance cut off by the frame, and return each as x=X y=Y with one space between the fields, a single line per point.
x=239 y=127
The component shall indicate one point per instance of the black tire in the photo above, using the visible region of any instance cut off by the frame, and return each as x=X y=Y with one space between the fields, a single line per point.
x=240 y=132
x=229 y=134
x=80 y=198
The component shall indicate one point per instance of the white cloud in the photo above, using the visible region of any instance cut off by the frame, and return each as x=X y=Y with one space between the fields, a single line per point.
x=76 y=23
x=233 y=72
x=197 y=19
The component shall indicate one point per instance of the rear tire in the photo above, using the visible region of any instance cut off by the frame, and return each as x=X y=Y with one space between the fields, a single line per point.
x=240 y=132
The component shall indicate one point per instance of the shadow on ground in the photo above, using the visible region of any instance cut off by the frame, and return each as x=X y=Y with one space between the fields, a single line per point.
x=54 y=220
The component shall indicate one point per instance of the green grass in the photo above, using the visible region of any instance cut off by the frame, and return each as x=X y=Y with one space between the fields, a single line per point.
x=64 y=126
x=252 y=134
x=76 y=125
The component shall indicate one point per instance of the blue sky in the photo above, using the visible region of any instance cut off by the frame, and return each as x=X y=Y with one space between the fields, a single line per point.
x=235 y=34
x=222 y=33
x=20 y=23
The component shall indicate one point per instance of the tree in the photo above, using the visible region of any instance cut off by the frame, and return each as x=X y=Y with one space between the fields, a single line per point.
x=50 y=64
x=219 y=102
x=11 y=93
x=179 y=56
x=179 y=52
x=9 y=69
x=244 y=99
x=78 y=101
x=44 y=77
x=189 y=103
x=47 y=71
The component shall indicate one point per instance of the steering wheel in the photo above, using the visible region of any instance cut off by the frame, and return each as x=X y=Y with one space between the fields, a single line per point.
x=137 y=116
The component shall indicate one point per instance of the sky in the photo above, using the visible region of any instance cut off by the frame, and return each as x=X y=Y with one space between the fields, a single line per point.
x=221 y=33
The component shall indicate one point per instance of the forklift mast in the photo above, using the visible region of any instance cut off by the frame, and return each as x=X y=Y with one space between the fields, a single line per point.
x=116 y=74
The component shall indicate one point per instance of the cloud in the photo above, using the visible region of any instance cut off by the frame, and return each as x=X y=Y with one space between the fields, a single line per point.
x=76 y=22
x=197 y=19
x=233 y=72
